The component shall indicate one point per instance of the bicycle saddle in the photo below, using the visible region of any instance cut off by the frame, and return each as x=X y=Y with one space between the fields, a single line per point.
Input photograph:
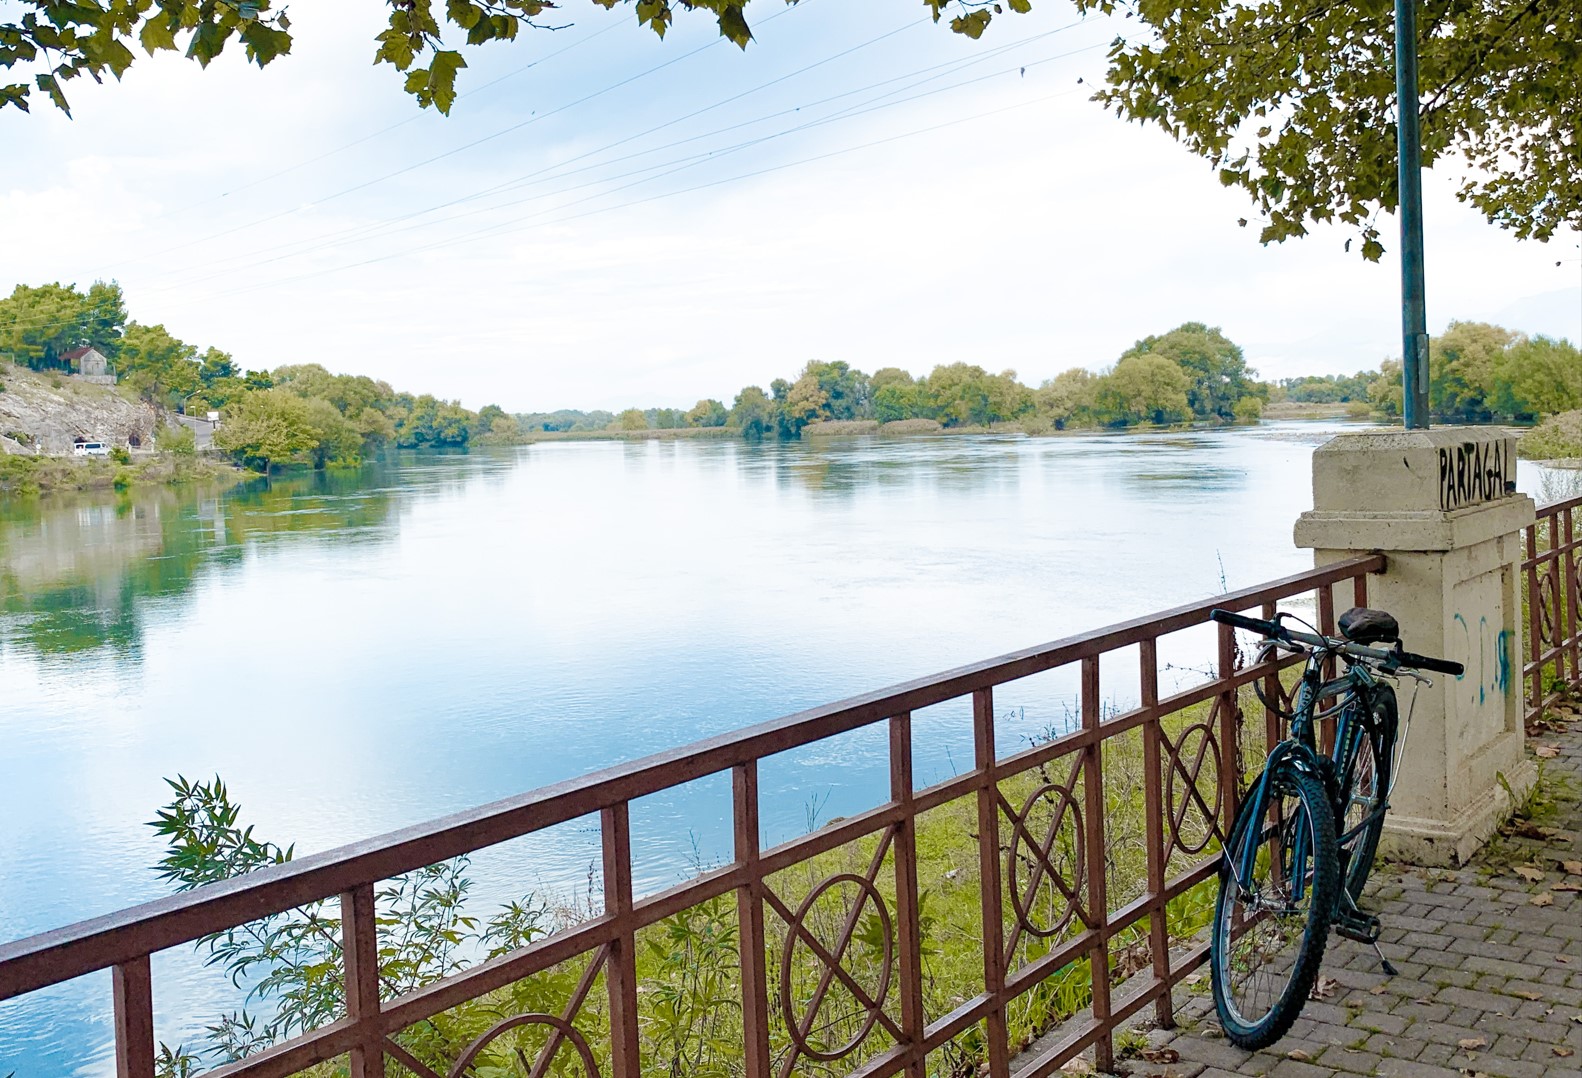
x=1363 y=626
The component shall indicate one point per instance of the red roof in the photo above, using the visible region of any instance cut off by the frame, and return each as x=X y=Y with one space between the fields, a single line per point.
x=77 y=353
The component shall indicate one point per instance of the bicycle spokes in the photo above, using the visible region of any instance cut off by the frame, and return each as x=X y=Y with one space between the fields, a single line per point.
x=1267 y=918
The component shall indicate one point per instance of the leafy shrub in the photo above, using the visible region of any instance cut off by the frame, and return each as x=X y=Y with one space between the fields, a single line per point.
x=179 y=441
x=1557 y=437
x=121 y=454
x=1248 y=409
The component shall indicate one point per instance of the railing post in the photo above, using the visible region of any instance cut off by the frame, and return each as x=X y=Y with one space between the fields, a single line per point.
x=989 y=872
x=1272 y=692
x=1153 y=808
x=750 y=922
x=621 y=974
x=1568 y=596
x=1535 y=635
x=132 y=987
x=360 y=950
x=1229 y=732
x=1098 y=864
x=908 y=923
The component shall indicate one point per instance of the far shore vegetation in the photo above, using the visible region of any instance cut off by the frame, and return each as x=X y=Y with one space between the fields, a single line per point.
x=302 y=415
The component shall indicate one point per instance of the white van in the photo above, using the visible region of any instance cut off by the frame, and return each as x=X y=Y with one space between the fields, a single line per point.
x=91 y=449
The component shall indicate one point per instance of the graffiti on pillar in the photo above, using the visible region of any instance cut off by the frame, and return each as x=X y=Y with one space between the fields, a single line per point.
x=1491 y=656
x=1475 y=472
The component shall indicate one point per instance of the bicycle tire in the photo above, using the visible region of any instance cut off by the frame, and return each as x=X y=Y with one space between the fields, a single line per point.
x=1299 y=936
x=1375 y=750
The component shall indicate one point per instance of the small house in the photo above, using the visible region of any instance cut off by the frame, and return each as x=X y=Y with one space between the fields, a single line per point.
x=89 y=364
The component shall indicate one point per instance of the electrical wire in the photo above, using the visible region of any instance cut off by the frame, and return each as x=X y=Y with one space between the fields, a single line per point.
x=388 y=228
x=536 y=117
x=495 y=231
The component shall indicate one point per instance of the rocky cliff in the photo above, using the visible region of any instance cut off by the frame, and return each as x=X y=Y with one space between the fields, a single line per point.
x=45 y=413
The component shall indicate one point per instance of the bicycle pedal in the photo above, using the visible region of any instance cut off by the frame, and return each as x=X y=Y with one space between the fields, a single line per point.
x=1358 y=926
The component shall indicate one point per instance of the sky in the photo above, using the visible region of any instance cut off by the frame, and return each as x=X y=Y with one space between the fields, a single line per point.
x=608 y=220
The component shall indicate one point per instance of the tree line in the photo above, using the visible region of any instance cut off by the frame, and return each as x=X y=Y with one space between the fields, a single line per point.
x=294 y=414
x=1478 y=373
x=302 y=413
x=1192 y=373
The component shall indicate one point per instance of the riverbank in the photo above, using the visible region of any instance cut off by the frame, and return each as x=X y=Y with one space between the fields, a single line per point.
x=23 y=475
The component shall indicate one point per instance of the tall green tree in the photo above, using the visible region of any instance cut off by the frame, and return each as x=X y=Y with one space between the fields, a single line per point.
x=1144 y=388
x=1538 y=377
x=39 y=324
x=845 y=389
x=1069 y=398
x=964 y=394
x=1213 y=364
x=1463 y=368
x=159 y=366
x=707 y=413
x=753 y=413
x=268 y=429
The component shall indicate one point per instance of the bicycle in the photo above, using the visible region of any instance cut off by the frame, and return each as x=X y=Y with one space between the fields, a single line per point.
x=1304 y=840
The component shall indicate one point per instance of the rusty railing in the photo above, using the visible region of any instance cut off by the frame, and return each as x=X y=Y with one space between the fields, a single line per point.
x=1552 y=577
x=1042 y=823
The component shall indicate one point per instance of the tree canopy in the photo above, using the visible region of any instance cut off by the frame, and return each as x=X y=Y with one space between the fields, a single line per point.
x=98 y=37
x=1294 y=103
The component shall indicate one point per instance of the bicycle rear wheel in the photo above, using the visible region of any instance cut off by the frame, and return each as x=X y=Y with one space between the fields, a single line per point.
x=1279 y=881
x=1369 y=787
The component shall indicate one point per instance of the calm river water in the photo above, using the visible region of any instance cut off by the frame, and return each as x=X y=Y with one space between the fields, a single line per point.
x=356 y=652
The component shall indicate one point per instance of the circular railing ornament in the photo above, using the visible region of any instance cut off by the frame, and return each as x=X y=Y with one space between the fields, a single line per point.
x=1179 y=802
x=564 y=1029
x=873 y=1005
x=1065 y=807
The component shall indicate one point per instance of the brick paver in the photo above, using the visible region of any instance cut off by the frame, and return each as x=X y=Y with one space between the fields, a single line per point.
x=1489 y=959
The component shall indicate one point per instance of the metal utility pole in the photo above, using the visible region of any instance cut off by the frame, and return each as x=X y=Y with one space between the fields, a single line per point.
x=1414 y=318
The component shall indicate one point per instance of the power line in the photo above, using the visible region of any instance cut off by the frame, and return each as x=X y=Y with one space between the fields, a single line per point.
x=351 y=233
x=532 y=119
x=387 y=228
x=414 y=117
x=674 y=166
x=654 y=198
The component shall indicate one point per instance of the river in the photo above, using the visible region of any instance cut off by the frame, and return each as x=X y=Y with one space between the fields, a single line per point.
x=355 y=651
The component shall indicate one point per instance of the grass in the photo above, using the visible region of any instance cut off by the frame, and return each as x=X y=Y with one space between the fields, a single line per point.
x=29 y=476
x=688 y=965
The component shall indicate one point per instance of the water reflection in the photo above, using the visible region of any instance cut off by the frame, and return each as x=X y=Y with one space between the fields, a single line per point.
x=76 y=574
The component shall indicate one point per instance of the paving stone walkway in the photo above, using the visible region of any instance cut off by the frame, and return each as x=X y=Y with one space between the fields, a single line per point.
x=1490 y=961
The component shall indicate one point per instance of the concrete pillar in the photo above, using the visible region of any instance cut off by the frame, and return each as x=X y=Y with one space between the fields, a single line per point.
x=1440 y=505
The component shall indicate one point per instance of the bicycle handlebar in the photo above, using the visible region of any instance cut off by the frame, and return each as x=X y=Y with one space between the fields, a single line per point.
x=1275 y=631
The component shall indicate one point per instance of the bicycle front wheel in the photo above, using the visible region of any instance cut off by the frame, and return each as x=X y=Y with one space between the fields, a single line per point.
x=1279 y=881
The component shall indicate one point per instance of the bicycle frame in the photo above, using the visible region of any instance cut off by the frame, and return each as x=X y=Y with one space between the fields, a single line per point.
x=1335 y=770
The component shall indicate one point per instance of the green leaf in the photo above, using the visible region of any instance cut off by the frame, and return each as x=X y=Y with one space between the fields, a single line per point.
x=733 y=26
x=51 y=85
x=442 y=78
x=157 y=34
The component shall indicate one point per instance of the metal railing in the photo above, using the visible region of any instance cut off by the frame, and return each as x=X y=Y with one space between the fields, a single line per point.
x=1041 y=833
x=1552 y=577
